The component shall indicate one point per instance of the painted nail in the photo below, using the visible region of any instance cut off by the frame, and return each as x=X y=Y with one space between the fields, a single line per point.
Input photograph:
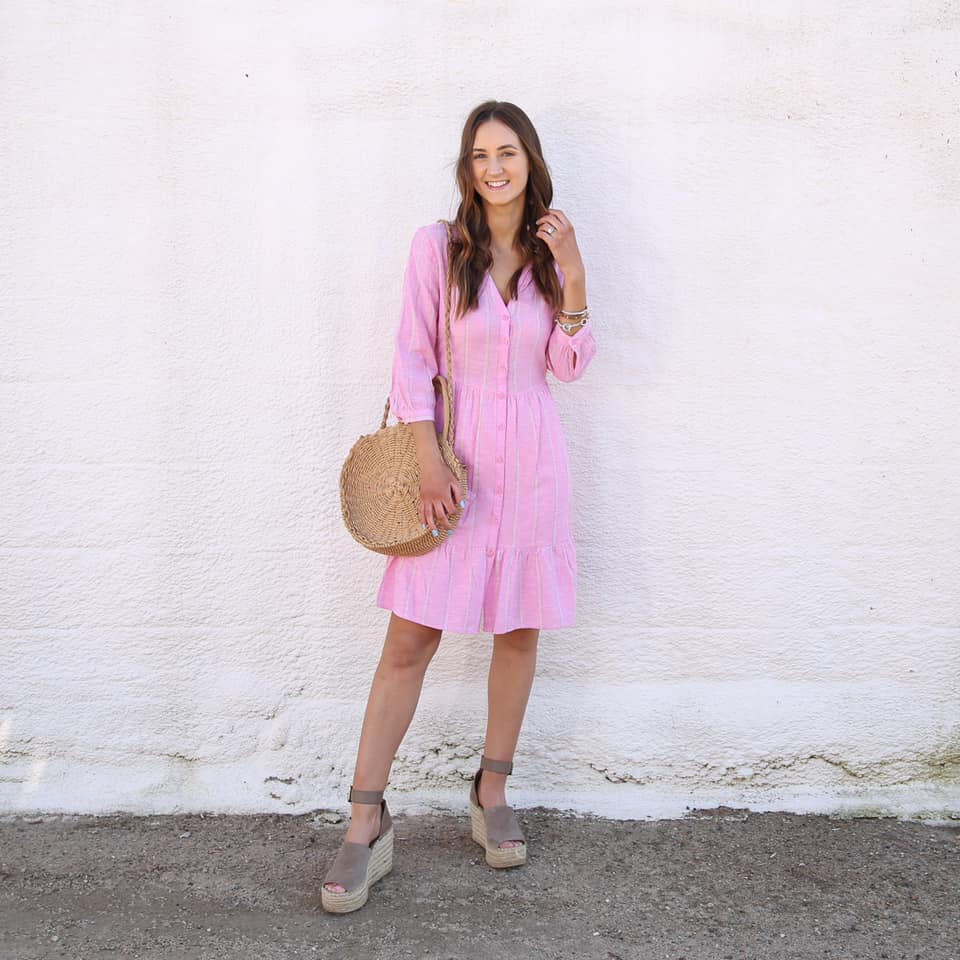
x=463 y=503
x=436 y=533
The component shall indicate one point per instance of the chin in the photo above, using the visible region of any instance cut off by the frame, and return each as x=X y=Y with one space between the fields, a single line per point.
x=505 y=198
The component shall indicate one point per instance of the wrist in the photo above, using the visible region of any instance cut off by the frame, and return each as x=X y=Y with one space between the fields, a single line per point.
x=430 y=458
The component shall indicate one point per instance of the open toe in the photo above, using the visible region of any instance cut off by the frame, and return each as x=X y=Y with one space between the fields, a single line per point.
x=357 y=866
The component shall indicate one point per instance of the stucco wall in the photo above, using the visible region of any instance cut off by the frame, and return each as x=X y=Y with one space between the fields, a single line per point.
x=206 y=210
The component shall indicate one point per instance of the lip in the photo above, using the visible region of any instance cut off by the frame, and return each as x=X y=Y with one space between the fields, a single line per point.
x=501 y=187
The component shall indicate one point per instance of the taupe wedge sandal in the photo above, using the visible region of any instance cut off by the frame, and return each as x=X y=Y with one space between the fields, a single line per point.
x=492 y=825
x=358 y=866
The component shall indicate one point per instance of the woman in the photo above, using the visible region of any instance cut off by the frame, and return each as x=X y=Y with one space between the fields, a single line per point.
x=510 y=565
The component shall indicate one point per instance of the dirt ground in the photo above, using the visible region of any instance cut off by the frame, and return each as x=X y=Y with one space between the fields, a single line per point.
x=718 y=884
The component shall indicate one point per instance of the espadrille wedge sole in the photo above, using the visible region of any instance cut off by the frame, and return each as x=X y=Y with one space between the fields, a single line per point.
x=491 y=826
x=358 y=866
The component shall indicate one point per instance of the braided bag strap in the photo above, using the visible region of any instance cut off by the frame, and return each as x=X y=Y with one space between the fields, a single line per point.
x=449 y=283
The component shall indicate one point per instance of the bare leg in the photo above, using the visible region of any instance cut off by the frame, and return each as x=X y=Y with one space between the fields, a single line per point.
x=512 y=668
x=407 y=651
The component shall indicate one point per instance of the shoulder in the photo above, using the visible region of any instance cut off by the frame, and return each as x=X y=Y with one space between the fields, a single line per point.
x=430 y=240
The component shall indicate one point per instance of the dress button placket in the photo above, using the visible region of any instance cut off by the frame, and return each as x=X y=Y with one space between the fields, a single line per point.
x=502 y=370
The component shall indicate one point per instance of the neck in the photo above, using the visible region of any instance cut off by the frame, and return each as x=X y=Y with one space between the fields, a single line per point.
x=504 y=223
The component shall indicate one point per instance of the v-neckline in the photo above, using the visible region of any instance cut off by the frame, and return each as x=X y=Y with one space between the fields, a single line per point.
x=496 y=289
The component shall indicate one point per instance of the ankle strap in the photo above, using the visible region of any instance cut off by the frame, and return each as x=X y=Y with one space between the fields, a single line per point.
x=364 y=796
x=497 y=766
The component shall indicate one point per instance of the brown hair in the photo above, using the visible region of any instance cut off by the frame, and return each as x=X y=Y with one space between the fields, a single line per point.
x=470 y=256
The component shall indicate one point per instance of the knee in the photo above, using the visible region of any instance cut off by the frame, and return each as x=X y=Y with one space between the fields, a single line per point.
x=523 y=640
x=409 y=645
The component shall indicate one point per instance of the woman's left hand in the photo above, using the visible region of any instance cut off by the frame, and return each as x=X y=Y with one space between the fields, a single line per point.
x=562 y=242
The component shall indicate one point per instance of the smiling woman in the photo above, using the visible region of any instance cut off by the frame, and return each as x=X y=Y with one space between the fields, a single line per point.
x=510 y=566
x=511 y=562
x=506 y=191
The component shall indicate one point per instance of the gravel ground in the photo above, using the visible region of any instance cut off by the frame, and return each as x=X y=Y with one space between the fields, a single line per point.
x=718 y=884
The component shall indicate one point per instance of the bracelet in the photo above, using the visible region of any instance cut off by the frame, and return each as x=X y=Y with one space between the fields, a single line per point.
x=570 y=325
x=578 y=317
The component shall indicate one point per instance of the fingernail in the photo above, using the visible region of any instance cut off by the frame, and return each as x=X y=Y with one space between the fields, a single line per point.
x=436 y=533
x=463 y=503
x=423 y=525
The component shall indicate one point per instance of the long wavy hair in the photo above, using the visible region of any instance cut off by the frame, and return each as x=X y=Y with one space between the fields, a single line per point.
x=470 y=256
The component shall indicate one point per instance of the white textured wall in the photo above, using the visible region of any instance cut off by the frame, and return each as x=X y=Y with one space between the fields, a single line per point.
x=206 y=210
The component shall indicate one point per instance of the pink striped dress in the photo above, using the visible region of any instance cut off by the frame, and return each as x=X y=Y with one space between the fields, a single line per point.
x=511 y=562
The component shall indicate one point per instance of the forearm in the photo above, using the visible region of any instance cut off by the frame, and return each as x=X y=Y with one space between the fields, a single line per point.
x=425 y=436
x=574 y=294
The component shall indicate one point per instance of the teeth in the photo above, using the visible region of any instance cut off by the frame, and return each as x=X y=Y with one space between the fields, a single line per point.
x=497 y=183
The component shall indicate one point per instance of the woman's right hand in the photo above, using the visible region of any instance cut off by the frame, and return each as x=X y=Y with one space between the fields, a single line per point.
x=440 y=494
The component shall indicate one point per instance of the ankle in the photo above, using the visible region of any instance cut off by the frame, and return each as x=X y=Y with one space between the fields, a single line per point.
x=363 y=831
x=365 y=812
x=491 y=790
x=491 y=780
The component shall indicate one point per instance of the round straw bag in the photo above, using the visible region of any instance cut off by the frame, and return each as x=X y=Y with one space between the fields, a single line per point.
x=380 y=479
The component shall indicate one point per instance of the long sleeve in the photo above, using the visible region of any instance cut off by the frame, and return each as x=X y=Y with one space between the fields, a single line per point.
x=412 y=393
x=568 y=356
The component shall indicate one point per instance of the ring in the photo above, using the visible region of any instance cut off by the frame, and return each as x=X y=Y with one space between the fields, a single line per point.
x=551 y=229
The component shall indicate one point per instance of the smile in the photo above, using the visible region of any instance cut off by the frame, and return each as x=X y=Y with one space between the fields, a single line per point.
x=496 y=184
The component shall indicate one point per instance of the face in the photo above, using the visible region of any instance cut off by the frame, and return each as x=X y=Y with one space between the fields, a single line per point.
x=498 y=156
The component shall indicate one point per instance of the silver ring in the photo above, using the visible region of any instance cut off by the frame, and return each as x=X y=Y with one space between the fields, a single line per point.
x=551 y=229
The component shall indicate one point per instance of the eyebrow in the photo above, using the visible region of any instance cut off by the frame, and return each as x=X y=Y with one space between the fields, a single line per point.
x=502 y=147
